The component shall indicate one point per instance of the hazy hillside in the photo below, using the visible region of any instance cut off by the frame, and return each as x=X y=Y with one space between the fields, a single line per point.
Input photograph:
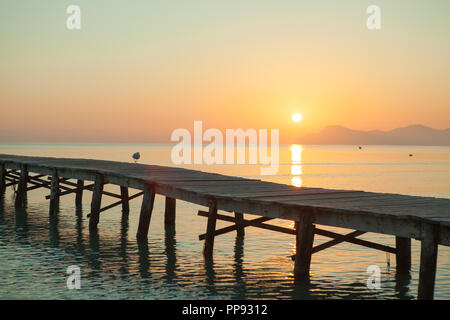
x=410 y=135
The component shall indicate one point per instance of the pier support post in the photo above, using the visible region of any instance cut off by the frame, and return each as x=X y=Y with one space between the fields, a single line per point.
x=169 y=214
x=428 y=261
x=239 y=224
x=304 y=243
x=403 y=256
x=96 y=202
x=2 y=178
x=22 y=187
x=146 y=212
x=79 y=194
x=208 y=247
x=54 y=193
x=125 y=201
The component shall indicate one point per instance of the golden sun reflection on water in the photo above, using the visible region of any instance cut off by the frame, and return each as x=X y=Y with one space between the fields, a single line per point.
x=296 y=181
x=296 y=167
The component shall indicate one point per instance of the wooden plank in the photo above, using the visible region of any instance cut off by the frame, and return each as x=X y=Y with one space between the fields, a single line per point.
x=337 y=240
x=233 y=219
x=11 y=183
x=412 y=209
x=222 y=183
x=338 y=197
x=361 y=242
x=373 y=219
x=75 y=190
x=35 y=187
x=146 y=212
x=428 y=262
x=407 y=208
x=281 y=193
x=384 y=223
x=46 y=184
x=308 y=194
x=36 y=176
x=16 y=175
x=117 y=203
x=210 y=229
x=91 y=187
x=40 y=185
x=234 y=189
x=187 y=179
x=370 y=199
x=96 y=202
x=257 y=222
x=244 y=185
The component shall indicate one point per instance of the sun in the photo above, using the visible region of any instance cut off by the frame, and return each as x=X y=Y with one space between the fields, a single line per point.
x=297 y=117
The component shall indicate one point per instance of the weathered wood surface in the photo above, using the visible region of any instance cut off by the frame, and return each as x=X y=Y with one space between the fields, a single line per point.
x=210 y=230
x=79 y=194
x=22 y=187
x=406 y=217
x=96 y=201
x=125 y=201
x=54 y=195
x=2 y=178
x=170 y=212
x=428 y=263
x=398 y=215
x=146 y=212
x=403 y=255
x=304 y=243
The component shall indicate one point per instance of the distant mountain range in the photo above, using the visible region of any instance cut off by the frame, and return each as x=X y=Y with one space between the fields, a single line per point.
x=410 y=135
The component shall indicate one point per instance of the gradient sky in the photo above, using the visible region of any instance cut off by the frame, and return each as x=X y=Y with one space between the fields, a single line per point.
x=137 y=70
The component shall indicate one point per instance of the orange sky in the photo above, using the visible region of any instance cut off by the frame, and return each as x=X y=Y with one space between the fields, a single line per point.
x=136 y=73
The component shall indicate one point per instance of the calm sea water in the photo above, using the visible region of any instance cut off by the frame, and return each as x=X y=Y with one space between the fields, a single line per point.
x=35 y=251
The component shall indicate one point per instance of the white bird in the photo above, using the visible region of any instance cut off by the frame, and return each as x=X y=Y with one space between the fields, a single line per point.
x=136 y=156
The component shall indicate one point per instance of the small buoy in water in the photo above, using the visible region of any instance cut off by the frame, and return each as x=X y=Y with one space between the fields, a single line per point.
x=410 y=155
x=136 y=156
x=360 y=147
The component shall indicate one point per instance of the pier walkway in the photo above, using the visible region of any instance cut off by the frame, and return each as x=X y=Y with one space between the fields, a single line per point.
x=424 y=218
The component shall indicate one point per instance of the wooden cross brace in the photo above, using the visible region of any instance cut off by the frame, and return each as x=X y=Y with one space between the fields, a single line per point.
x=69 y=191
x=90 y=187
x=14 y=178
x=337 y=238
x=115 y=204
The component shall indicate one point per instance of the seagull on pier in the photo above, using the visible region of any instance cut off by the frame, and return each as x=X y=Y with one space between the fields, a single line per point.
x=136 y=156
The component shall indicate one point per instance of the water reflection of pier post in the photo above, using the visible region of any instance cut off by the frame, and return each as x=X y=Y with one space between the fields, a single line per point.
x=144 y=260
x=170 y=243
x=94 y=253
x=53 y=231
x=238 y=269
x=79 y=227
x=21 y=217
x=124 y=226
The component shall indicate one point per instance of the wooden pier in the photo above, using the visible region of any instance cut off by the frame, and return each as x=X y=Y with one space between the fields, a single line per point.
x=424 y=218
